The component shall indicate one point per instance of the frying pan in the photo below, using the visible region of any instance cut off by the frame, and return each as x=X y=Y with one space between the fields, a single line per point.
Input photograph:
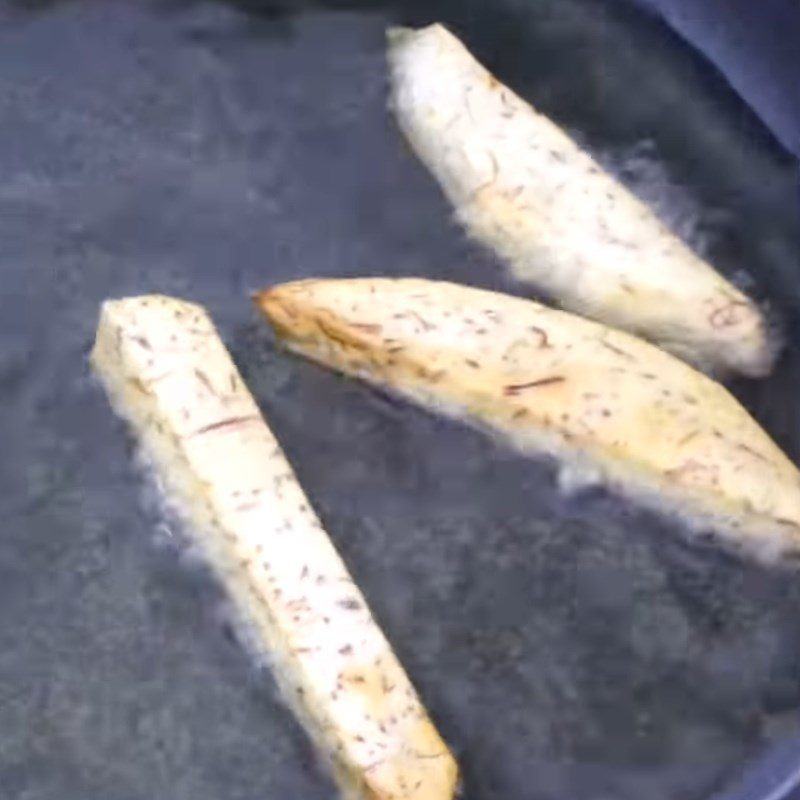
x=568 y=646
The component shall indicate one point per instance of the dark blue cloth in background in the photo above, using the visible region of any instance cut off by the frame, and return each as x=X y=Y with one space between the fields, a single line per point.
x=756 y=45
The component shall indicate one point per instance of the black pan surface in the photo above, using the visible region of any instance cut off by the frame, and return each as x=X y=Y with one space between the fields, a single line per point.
x=568 y=647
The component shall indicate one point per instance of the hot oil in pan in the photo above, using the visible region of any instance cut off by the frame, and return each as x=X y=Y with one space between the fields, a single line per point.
x=567 y=646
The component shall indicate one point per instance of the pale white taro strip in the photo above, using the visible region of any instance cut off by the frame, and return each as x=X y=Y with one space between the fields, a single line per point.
x=553 y=383
x=169 y=375
x=522 y=187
